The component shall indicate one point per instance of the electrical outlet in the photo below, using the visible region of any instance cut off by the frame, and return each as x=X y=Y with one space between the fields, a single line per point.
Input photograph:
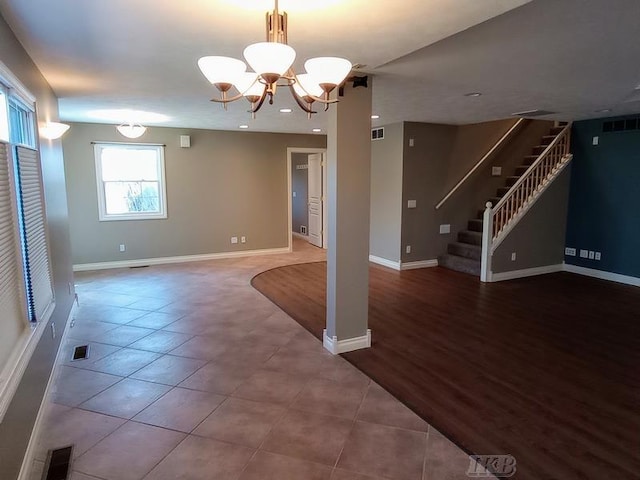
x=234 y=239
x=411 y=142
x=570 y=252
x=584 y=253
x=408 y=249
x=592 y=255
x=513 y=256
x=123 y=248
x=445 y=228
x=294 y=194
x=596 y=140
x=243 y=239
x=598 y=256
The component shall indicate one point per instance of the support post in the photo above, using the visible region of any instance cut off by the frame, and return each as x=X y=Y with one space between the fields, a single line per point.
x=348 y=189
x=487 y=238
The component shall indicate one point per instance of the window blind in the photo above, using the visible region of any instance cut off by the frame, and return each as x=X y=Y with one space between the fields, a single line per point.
x=12 y=300
x=34 y=235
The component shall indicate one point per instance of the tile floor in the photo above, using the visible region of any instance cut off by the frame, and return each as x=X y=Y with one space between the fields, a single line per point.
x=194 y=375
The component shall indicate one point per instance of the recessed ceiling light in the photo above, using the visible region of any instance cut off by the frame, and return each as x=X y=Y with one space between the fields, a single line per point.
x=244 y=127
x=473 y=94
x=375 y=117
x=316 y=130
x=285 y=110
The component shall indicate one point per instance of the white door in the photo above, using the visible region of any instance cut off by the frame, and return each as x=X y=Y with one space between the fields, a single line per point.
x=315 y=199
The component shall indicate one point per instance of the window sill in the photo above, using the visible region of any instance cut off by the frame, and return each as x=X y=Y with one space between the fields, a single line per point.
x=117 y=218
x=13 y=371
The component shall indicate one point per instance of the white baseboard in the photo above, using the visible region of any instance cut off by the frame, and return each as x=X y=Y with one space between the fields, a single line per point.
x=592 y=272
x=300 y=235
x=83 y=267
x=336 y=346
x=15 y=367
x=384 y=262
x=420 y=264
x=527 y=272
x=27 y=461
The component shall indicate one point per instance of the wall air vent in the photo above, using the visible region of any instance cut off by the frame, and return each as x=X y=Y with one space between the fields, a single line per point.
x=533 y=113
x=621 y=125
x=377 y=133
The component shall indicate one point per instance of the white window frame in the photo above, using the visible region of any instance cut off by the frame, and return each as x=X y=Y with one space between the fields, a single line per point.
x=11 y=373
x=103 y=216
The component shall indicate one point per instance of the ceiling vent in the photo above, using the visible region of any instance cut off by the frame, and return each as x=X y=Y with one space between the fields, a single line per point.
x=621 y=125
x=377 y=133
x=533 y=113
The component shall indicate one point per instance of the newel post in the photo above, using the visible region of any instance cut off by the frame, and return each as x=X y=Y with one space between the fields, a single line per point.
x=487 y=238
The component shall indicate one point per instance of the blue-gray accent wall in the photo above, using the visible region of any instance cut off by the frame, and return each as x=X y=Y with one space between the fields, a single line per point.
x=604 y=203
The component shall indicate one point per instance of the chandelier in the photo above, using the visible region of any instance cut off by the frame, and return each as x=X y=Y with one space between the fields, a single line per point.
x=272 y=62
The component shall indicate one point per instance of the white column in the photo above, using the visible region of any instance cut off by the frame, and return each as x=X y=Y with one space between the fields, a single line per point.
x=348 y=190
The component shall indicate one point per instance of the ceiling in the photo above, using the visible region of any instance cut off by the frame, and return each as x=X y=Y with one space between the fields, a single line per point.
x=573 y=57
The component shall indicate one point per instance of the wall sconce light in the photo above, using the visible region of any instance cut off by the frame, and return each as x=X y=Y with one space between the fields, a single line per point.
x=53 y=130
x=131 y=130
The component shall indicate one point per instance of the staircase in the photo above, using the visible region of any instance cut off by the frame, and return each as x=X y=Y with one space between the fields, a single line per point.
x=465 y=254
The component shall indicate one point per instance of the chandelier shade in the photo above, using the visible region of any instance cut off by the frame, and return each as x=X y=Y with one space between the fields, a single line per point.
x=270 y=58
x=328 y=70
x=306 y=86
x=222 y=70
x=272 y=63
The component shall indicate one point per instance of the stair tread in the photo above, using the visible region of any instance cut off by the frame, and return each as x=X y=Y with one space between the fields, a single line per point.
x=467 y=245
x=462 y=259
x=460 y=264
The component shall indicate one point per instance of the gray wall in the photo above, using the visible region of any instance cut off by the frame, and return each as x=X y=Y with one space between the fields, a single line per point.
x=15 y=429
x=227 y=184
x=424 y=171
x=386 y=193
x=299 y=185
x=539 y=238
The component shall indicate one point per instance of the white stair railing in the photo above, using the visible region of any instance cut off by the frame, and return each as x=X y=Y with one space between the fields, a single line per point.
x=494 y=149
x=500 y=219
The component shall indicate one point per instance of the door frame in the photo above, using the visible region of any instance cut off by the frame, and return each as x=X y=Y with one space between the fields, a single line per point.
x=290 y=151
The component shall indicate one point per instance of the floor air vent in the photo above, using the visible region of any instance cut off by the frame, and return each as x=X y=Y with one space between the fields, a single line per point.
x=58 y=465
x=81 y=352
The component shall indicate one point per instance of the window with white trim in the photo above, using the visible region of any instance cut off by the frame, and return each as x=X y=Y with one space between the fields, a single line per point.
x=22 y=126
x=130 y=178
x=26 y=290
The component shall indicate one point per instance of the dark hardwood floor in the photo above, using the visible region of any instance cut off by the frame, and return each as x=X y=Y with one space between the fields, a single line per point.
x=545 y=368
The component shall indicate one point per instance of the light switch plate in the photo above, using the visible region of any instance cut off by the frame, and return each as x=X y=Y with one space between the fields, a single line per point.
x=598 y=256
x=234 y=239
x=496 y=171
x=592 y=255
x=596 y=140
x=584 y=253
x=570 y=252
x=412 y=204
x=445 y=228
